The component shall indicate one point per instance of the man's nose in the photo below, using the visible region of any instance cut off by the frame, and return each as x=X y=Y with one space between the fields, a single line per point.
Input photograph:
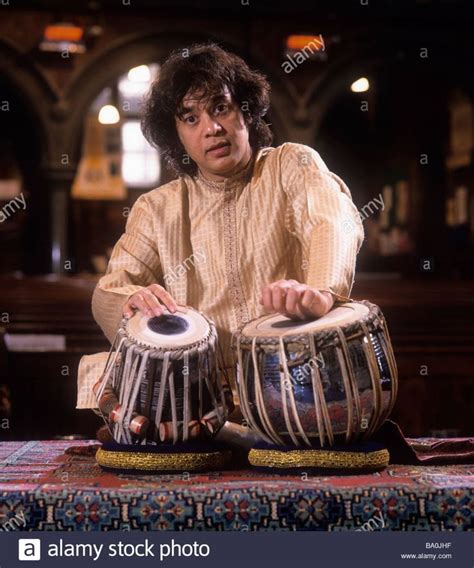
x=211 y=125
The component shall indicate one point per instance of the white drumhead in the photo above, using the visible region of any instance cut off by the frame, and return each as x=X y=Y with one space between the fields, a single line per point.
x=185 y=327
x=280 y=326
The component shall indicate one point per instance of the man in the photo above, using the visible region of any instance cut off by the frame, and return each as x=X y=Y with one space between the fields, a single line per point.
x=245 y=229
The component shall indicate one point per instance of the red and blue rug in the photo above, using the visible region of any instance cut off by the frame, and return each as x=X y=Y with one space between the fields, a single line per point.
x=44 y=488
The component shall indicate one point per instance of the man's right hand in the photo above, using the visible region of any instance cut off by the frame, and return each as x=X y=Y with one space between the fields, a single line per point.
x=151 y=301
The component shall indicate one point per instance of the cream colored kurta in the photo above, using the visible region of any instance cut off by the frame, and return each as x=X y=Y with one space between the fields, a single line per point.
x=214 y=246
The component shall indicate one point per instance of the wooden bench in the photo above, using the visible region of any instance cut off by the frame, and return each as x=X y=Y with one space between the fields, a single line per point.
x=43 y=385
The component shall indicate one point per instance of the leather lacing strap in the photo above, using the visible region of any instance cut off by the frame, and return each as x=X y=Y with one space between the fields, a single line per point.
x=135 y=357
x=336 y=338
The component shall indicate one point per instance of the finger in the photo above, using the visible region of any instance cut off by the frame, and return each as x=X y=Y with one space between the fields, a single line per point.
x=293 y=305
x=154 y=304
x=286 y=283
x=279 y=294
x=292 y=298
x=140 y=301
x=319 y=305
x=127 y=309
x=298 y=314
x=329 y=298
x=135 y=302
x=307 y=299
x=267 y=298
x=165 y=297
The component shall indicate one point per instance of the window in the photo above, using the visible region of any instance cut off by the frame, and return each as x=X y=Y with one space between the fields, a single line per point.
x=141 y=165
x=140 y=162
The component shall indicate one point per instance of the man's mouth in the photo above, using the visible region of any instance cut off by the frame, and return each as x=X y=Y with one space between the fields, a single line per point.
x=218 y=146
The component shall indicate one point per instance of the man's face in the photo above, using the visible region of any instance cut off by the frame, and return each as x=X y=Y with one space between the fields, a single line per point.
x=214 y=134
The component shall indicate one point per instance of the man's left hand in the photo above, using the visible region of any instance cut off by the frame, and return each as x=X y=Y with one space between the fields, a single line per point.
x=295 y=300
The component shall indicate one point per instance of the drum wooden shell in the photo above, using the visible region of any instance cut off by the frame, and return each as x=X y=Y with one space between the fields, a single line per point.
x=160 y=393
x=321 y=383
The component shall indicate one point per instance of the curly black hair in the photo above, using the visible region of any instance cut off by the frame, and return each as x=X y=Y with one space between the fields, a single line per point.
x=206 y=69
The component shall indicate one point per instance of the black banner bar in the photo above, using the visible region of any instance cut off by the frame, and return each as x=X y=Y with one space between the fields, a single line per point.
x=237 y=549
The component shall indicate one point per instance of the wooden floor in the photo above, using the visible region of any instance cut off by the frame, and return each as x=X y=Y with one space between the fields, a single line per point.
x=431 y=325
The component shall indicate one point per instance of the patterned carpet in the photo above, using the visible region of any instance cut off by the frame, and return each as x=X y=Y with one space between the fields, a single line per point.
x=42 y=488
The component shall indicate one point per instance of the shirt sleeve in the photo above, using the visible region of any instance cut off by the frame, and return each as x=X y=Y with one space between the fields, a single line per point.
x=323 y=217
x=134 y=264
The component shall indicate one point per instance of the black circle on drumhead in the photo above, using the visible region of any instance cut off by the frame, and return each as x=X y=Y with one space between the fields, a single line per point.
x=167 y=324
x=282 y=324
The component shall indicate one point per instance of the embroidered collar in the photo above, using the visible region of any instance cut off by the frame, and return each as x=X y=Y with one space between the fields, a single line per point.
x=240 y=178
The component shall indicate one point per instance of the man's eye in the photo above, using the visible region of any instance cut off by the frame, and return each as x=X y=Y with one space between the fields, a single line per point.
x=190 y=119
x=222 y=107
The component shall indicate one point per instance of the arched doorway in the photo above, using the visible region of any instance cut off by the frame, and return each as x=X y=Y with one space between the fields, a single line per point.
x=24 y=220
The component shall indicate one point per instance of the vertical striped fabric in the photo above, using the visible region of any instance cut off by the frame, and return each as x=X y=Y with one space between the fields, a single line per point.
x=214 y=245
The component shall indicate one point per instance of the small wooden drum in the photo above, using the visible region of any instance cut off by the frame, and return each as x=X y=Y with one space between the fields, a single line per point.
x=162 y=382
x=317 y=383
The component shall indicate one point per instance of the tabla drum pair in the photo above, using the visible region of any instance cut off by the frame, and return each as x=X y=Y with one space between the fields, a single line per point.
x=318 y=383
x=161 y=382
